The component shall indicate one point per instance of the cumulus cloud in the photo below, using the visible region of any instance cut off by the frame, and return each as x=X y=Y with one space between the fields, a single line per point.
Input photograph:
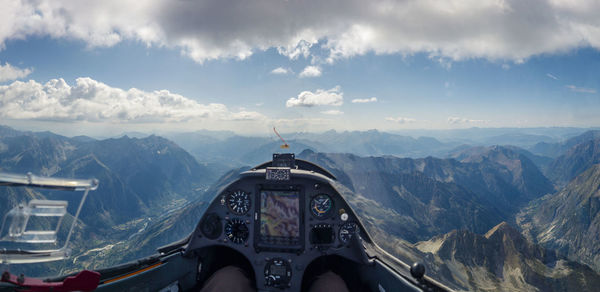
x=400 y=120
x=364 y=100
x=580 y=89
x=9 y=73
x=90 y=100
x=311 y=71
x=281 y=71
x=204 y=30
x=332 y=96
x=333 y=112
x=458 y=120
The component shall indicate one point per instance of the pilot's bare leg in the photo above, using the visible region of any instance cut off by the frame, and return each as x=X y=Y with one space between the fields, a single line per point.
x=229 y=278
x=328 y=282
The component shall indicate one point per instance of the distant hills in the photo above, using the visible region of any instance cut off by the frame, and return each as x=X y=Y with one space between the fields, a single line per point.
x=574 y=161
x=214 y=145
x=559 y=148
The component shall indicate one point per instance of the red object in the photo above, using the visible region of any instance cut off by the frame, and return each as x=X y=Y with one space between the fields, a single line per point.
x=285 y=145
x=83 y=281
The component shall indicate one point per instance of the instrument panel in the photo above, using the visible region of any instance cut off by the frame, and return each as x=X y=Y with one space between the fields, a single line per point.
x=280 y=226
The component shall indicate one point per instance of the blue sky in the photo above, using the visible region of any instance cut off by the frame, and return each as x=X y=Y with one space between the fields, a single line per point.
x=184 y=67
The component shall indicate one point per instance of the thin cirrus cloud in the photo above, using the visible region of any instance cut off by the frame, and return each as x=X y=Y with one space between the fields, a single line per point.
x=9 y=72
x=400 y=120
x=311 y=71
x=459 y=120
x=551 y=76
x=364 y=100
x=333 y=96
x=456 y=29
x=580 y=89
x=333 y=112
x=93 y=101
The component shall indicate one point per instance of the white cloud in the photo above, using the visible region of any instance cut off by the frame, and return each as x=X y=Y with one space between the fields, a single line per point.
x=551 y=76
x=400 y=120
x=93 y=101
x=333 y=112
x=580 y=89
x=204 y=30
x=364 y=100
x=458 y=120
x=8 y=72
x=311 y=71
x=281 y=71
x=332 y=96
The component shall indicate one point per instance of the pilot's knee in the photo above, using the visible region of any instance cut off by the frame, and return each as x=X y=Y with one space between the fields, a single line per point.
x=229 y=278
x=329 y=282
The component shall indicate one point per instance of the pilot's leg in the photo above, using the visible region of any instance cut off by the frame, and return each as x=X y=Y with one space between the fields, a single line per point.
x=328 y=282
x=229 y=278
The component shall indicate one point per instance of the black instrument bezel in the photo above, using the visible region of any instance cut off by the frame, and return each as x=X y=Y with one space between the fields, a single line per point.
x=230 y=194
x=261 y=246
x=326 y=215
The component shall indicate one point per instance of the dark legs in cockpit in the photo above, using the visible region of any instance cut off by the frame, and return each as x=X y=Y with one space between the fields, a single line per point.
x=224 y=269
x=234 y=279
x=328 y=282
x=229 y=278
x=332 y=273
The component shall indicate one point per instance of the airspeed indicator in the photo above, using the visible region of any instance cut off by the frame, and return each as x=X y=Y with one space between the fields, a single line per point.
x=320 y=205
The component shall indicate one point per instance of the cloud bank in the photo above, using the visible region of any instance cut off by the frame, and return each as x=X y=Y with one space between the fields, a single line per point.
x=213 y=29
x=93 y=101
x=332 y=96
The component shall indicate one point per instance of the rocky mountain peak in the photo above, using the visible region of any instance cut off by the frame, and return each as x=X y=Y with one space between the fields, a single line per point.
x=503 y=229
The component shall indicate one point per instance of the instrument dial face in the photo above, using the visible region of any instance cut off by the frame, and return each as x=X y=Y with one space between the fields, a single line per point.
x=348 y=230
x=238 y=202
x=236 y=231
x=321 y=205
x=211 y=226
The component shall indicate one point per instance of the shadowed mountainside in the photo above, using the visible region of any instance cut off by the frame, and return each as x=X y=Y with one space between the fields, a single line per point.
x=569 y=220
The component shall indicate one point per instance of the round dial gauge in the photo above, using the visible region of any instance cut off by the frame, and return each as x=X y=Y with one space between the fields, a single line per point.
x=348 y=230
x=211 y=226
x=321 y=205
x=236 y=231
x=238 y=202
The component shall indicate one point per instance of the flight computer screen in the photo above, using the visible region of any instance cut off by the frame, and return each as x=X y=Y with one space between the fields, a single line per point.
x=279 y=217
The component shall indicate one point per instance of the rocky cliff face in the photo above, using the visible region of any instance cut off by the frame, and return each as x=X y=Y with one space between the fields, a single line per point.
x=503 y=260
x=569 y=220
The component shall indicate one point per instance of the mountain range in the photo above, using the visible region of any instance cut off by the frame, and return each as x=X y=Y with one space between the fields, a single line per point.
x=454 y=213
x=137 y=175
